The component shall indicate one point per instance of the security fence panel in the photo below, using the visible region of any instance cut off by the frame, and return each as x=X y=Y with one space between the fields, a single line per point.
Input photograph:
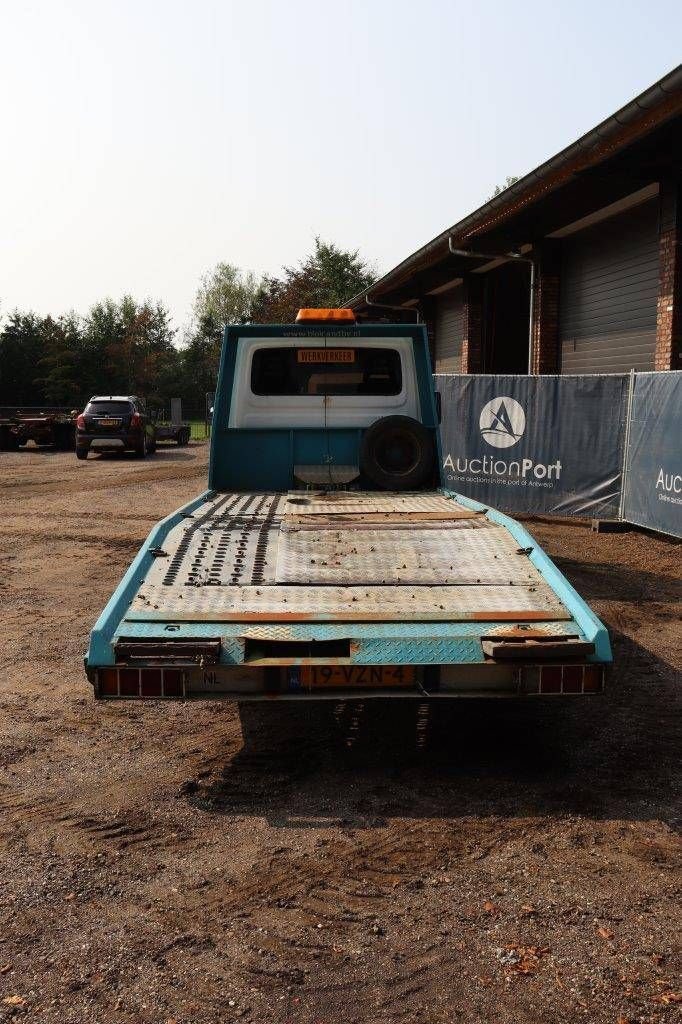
x=550 y=445
x=653 y=481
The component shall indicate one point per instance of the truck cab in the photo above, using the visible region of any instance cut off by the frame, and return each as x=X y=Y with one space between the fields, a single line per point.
x=327 y=559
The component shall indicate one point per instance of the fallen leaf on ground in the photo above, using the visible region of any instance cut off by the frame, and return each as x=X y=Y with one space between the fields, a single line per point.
x=491 y=908
x=14 y=1000
x=667 y=998
x=605 y=933
x=529 y=958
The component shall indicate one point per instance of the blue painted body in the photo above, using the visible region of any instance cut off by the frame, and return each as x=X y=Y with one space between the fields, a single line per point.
x=263 y=460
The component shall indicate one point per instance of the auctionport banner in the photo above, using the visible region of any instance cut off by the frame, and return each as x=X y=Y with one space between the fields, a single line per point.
x=653 y=483
x=550 y=445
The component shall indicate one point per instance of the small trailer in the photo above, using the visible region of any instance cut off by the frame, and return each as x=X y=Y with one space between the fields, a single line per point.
x=328 y=559
x=177 y=432
x=43 y=425
x=174 y=429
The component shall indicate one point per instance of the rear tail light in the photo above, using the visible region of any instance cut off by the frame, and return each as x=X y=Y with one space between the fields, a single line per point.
x=140 y=682
x=136 y=420
x=571 y=679
x=80 y=422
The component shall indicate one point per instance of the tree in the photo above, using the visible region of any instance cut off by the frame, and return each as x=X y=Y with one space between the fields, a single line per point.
x=127 y=348
x=511 y=179
x=225 y=296
x=328 y=277
x=200 y=361
x=58 y=369
x=21 y=349
x=119 y=347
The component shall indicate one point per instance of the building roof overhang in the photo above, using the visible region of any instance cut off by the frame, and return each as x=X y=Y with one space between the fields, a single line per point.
x=640 y=143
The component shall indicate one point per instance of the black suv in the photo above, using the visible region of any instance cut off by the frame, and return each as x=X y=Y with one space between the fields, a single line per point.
x=115 y=423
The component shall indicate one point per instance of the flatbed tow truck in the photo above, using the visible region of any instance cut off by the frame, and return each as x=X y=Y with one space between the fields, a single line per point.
x=327 y=559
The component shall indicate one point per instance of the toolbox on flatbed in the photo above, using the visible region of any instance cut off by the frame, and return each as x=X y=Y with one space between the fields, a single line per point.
x=326 y=583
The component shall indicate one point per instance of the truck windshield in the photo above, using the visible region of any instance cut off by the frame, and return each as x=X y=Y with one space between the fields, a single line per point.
x=335 y=370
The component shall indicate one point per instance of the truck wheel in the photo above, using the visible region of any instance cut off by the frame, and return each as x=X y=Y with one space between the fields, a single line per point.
x=397 y=453
x=183 y=438
x=141 y=451
x=81 y=453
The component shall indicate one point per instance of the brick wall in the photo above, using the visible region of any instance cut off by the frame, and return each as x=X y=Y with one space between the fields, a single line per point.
x=669 y=309
x=546 y=353
x=472 y=340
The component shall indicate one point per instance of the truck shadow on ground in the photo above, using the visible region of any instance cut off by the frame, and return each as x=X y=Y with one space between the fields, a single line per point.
x=361 y=763
x=597 y=581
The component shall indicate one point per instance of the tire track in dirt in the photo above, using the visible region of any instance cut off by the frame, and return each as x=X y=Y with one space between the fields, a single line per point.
x=50 y=816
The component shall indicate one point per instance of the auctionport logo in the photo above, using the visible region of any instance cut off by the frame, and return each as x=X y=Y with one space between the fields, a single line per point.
x=502 y=422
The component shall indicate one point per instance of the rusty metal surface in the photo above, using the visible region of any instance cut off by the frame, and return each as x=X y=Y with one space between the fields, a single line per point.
x=233 y=560
x=386 y=520
x=433 y=632
x=347 y=604
x=363 y=502
x=541 y=630
x=226 y=541
x=408 y=556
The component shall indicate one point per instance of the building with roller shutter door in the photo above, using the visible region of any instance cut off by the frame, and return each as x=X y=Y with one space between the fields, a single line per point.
x=575 y=268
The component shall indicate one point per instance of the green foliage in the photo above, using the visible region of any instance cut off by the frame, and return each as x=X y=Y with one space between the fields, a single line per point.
x=511 y=179
x=128 y=347
x=21 y=348
x=225 y=296
x=58 y=370
x=327 y=278
x=119 y=347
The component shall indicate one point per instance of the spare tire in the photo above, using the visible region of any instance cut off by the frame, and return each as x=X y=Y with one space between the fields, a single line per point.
x=397 y=453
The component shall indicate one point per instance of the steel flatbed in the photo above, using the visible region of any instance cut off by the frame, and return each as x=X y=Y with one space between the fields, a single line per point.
x=237 y=593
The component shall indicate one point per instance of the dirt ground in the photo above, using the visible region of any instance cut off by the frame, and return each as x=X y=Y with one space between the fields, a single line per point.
x=482 y=862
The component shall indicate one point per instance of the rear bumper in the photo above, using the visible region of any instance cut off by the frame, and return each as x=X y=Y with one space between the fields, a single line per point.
x=108 y=442
x=279 y=682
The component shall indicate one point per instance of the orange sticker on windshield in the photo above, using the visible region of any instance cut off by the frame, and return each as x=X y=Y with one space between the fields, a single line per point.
x=326 y=355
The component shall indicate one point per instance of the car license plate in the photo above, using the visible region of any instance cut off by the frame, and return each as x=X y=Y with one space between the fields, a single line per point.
x=353 y=676
x=109 y=423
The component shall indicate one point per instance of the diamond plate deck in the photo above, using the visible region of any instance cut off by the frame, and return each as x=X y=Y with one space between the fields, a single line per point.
x=254 y=604
x=358 y=502
x=258 y=557
x=414 y=556
x=226 y=541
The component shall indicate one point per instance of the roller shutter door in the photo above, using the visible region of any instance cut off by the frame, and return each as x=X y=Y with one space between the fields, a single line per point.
x=449 y=327
x=609 y=288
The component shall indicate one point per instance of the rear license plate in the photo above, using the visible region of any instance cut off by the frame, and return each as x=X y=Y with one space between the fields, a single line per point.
x=109 y=423
x=355 y=676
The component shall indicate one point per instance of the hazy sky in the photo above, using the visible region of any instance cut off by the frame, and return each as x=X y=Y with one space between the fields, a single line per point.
x=144 y=140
